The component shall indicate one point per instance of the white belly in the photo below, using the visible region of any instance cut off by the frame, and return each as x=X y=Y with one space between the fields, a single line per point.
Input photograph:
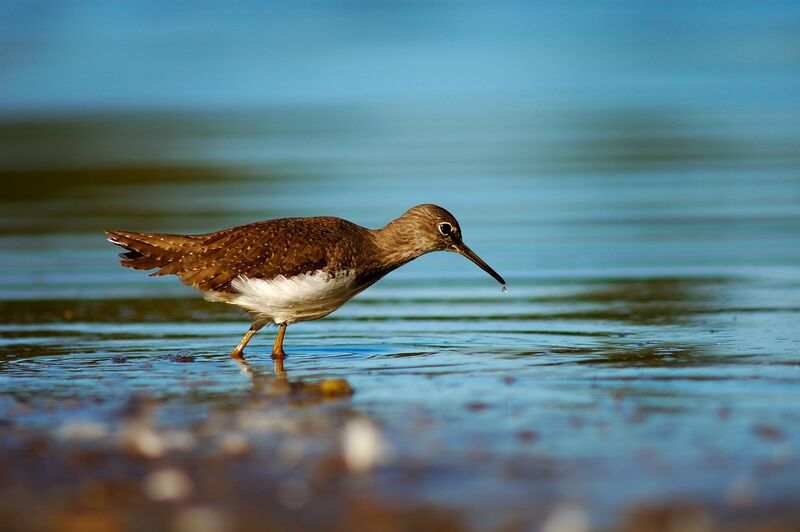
x=291 y=299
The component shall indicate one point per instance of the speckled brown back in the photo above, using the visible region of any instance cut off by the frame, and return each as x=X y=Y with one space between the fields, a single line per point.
x=287 y=246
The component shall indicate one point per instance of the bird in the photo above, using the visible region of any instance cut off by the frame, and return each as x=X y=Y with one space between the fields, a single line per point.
x=288 y=270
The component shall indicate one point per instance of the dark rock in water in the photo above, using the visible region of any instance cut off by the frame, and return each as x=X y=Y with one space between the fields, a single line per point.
x=119 y=359
x=182 y=356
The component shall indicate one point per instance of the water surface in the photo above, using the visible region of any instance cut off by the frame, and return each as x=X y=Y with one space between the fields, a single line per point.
x=646 y=217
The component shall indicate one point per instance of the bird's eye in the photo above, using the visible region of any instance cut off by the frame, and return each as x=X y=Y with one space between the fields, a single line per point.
x=445 y=228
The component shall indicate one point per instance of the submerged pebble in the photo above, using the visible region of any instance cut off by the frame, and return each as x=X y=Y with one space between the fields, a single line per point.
x=364 y=446
x=168 y=485
x=143 y=440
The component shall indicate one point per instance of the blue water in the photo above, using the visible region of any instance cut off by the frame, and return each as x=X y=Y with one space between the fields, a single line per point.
x=631 y=170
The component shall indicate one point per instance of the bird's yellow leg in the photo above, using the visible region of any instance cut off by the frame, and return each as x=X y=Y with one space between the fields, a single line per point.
x=237 y=351
x=277 y=349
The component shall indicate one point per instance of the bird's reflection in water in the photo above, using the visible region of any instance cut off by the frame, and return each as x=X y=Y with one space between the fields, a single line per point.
x=279 y=384
x=248 y=370
x=278 y=367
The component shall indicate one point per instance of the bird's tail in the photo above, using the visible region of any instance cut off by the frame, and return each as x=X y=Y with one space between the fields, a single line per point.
x=146 y=251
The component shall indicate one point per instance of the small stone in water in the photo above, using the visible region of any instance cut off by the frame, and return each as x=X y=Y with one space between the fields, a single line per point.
x=335 y=388
x=143 y=440
x=119 y=359
x=168 y=485
x=363 y=445
x=182 y=356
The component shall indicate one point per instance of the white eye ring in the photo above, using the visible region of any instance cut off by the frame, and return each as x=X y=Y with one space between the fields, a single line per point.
x=445 y=228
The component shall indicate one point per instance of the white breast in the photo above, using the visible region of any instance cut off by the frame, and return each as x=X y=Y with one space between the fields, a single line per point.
x=292 y=299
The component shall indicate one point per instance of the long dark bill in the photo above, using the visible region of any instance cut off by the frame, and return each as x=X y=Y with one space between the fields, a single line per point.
x=462 y=249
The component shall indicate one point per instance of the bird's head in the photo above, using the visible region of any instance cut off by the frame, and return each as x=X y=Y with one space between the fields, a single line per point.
x=432 y=228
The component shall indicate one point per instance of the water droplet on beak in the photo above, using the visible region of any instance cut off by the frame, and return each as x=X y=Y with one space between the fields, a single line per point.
x=504 y=290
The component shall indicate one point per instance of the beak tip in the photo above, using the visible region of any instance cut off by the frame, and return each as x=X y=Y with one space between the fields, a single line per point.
x=465 y=251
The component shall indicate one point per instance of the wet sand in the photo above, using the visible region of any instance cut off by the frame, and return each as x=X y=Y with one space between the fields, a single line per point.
x=294 y=455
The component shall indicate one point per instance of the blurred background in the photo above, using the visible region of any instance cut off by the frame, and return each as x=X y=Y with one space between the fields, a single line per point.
x=550 y=129
x=632 y=168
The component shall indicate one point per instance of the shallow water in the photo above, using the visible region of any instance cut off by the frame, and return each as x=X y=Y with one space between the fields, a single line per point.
x=647 y=349
x=659 y=358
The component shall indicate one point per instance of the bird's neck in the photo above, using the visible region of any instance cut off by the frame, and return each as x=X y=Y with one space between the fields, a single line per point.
x=398 y=244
